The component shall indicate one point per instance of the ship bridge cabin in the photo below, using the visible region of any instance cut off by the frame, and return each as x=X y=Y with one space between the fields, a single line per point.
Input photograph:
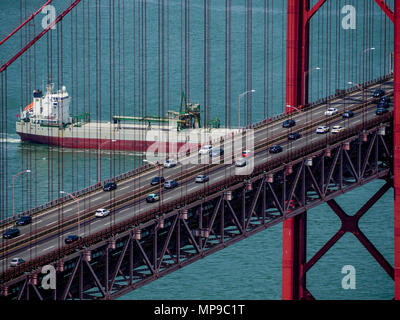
x=51 y=109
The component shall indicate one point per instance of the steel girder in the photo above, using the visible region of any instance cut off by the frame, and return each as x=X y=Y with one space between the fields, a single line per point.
x=173 y=240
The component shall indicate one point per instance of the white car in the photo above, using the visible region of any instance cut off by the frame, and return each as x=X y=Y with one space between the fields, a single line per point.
x=337 y=129
x=170 y=163
x=322 y=129
x=201 y=178
x=205 y=149
x=16 y=262
x=331 y=112
x=240 y=162
x=100 y=213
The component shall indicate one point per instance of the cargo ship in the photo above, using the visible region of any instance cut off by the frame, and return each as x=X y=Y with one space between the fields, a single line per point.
x=47 y=120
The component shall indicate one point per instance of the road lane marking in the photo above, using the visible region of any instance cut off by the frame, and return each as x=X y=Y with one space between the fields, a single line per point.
x=48 y=248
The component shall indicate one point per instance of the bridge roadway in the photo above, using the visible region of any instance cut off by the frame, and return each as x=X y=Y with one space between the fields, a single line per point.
x=51 y=242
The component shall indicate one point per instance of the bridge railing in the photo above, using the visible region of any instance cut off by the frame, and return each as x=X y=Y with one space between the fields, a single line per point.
x=223 y=185
x=78 y=193
x=139 y=170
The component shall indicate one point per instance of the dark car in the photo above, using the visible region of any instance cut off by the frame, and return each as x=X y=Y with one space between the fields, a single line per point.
x=288 y=123
x=110 y=186
x=11 y=233
x=383 y=104
x=387 y=99
x=170 y=184
x=71 y=238
x=24 y=220
x=275 y=149
x=157 y=180
x=378 y=93
x=294 y=136
x=381 y=111
x=348 y=114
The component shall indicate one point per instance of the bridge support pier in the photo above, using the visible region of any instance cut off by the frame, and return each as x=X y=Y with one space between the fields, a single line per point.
x=297 y=65
x=294 y=262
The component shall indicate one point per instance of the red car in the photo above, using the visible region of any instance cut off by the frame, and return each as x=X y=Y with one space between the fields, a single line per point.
x=246 y=153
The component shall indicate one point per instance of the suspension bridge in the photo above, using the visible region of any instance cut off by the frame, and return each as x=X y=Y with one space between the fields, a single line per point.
x=320 y=137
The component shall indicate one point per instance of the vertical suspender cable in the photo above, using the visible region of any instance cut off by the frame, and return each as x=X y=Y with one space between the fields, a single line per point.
x=86 y=158
x=123 y=74
x=145 y=57
x=226 y=63
x=205 y=63
x=208 y=60
x=74 y=79
x=167 y=62
x=110 y=70
x=182 y=46
x=75 y=166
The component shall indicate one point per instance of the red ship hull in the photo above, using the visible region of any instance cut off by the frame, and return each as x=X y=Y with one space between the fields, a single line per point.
x=119 y=145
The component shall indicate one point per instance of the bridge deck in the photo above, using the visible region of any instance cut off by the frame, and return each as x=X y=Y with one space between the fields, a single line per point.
x=48 y=238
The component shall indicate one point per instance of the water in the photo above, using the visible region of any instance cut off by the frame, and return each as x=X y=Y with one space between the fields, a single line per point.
x=250 y=269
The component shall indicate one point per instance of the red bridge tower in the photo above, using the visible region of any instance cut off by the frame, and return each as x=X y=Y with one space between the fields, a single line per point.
x=294 y=264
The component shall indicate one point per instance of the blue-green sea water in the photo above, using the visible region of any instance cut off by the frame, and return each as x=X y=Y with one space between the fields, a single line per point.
x=112 y=83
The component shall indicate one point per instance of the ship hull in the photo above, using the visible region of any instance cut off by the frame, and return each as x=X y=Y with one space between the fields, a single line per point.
x=108 y=136
x=118 y=145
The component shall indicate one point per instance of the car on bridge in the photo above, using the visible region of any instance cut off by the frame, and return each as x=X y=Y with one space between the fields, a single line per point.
x=337 y=129
x=383 y=104
x=348 y=114
x=170 y=184
x=385 y=98
x=156 y=180
x=24 y=220
x=11 y=233
x=109 y=186
x=205 y=149
x=170 y=163
x=71 y=238
x=378 y=93
x=247 y=153
x=216 y=152
x=241 y=162
x=201 y=178
x=322 y=129
x=275 y=149
x=294 y=136
x=100 y=213
x=16 y=262
x=331 y=112
x=289 y=123
x=381 y=111
x=152 y=197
